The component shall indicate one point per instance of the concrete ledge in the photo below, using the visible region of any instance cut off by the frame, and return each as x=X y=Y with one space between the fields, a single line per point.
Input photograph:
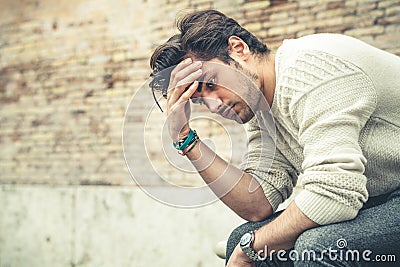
x=106 y=226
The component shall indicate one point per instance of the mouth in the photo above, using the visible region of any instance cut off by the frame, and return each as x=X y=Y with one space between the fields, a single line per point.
x=227 y=111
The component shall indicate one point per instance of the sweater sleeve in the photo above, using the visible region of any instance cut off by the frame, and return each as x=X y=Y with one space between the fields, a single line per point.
x=330 y=118
x=268 y=166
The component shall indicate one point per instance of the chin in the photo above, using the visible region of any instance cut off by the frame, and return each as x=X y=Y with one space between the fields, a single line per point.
x=244 y=119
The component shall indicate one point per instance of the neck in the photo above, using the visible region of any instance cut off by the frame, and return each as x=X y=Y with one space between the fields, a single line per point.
x=266 y=72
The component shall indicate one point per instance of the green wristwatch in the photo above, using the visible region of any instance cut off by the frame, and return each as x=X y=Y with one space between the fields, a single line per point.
x=246 y=243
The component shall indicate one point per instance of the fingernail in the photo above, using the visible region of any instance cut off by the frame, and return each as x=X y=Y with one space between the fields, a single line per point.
x=188 y=60
x=197 y=63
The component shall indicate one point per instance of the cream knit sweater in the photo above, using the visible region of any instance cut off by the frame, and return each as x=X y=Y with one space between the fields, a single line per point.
x=337 y=116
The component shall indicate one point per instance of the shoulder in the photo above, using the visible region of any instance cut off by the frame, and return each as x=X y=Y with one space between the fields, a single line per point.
x=336 y=45
x=305 y=63
x=309 y=70
x=324 y=42
x=323 y=79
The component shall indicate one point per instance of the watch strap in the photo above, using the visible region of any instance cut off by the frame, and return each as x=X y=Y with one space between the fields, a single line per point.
x=250 y=252
x=248 y=249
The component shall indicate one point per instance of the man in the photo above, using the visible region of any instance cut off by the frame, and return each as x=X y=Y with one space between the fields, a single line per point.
x=335 y=102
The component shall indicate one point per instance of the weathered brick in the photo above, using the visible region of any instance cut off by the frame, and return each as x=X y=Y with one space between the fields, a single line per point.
x=279 y=16
x=365 y=8
x=308 y=3
x=253 y=27
x=335 y=13
x=283 y=7
x=392 y=11
x=395 y=29
x=326 y=22
x=395 y=51
x=387 y=3
x=388 y=20
x=386 y=41
x=332 y=29
x=65 y=83
x=305 y=32
x=256 y=5
x=253 y=13
x=306 y=18
x=336 y=5
x=274 y=23
x=366 y=31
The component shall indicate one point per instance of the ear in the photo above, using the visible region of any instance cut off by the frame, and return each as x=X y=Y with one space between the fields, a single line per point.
x=238 y=48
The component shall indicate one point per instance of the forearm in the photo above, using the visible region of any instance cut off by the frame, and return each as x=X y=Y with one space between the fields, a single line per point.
x=282 y=232
x=237 y=189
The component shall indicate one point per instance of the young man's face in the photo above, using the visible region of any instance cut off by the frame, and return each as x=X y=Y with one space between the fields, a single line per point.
x=228 y=90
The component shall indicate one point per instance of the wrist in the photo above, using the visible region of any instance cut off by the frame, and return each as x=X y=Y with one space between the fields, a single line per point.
x=246 y=245
x=189 y=147
x=183 y=135
x=186 y=144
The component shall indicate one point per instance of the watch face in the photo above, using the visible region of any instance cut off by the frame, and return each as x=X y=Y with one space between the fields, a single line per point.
x=246 y=238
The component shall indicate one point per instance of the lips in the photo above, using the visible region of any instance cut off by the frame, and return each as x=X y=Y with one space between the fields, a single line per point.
x=227 y=112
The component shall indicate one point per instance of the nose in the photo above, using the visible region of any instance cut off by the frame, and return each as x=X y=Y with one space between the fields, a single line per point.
x=212 y=102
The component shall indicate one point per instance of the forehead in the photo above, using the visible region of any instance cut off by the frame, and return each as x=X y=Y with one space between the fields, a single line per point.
x=216 y=66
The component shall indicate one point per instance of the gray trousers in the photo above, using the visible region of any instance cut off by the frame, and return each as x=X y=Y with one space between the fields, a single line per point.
x=371 y=239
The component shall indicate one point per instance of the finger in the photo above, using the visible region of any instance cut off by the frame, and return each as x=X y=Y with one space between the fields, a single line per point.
x=189 y=79
x=183 y=101
x=185 y=75
x=183 y=64
x=182 y=86
x=184 y=98
x=189 y=92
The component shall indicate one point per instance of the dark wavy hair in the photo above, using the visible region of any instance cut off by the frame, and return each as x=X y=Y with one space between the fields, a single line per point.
x=203 y=35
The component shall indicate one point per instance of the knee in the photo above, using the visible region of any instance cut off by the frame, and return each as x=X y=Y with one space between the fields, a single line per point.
x=237 y=234
x=312 y=239
x=316 y=245
x=310 y=246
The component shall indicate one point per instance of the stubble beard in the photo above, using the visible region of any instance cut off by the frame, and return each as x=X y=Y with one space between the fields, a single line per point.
x=251 y=96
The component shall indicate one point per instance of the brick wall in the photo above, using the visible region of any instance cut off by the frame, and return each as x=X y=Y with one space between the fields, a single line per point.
x=68 y=70
x=375 y=22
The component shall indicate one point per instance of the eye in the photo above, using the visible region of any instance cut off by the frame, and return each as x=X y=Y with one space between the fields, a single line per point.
x=210 y=83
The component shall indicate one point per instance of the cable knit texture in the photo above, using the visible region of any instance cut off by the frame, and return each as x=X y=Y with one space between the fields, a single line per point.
x=337 y=122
